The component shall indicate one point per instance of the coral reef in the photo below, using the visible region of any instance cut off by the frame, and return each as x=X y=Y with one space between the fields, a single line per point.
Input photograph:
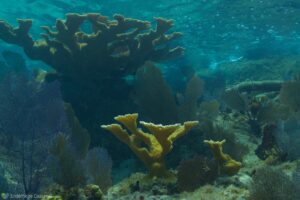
x=158 y=144
x=227 y=165
x=259 y=101
x=247 y=96
x=86 y=60
x=89 y=61
x=237 y=96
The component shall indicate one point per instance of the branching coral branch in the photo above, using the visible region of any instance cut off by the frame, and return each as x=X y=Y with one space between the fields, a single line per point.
x=227 y=165
x=120 y=45
x=159 y=140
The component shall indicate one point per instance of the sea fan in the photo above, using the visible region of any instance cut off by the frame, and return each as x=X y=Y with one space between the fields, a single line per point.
x=31 y=115
x=99 y=165
x=270 y=183
x=196 y=172
x=288 y=138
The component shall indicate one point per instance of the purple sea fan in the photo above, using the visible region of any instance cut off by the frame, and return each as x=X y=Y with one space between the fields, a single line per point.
x=196 y=172
x=99 y=165
x=28 y=107
x=31 y=115
x=288 y=137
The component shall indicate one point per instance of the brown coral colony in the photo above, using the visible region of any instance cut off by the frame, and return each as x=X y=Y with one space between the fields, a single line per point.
x=113 y=46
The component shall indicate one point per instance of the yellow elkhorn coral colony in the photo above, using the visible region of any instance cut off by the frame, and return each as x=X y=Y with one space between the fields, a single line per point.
x=227 y=165
x=159 y=142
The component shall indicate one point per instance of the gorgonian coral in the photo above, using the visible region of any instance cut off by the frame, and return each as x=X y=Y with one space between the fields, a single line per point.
x=31 y=114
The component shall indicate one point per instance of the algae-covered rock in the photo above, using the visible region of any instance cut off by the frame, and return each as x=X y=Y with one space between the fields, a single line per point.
x=141 y=185
x=89 y=192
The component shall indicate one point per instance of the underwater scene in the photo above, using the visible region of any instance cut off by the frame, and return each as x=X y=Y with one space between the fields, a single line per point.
x=150 y=99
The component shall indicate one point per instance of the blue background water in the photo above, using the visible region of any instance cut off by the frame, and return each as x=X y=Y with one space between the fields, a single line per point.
x=214 y=31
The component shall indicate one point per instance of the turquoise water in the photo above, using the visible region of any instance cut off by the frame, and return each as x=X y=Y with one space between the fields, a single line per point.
x=217 y=81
